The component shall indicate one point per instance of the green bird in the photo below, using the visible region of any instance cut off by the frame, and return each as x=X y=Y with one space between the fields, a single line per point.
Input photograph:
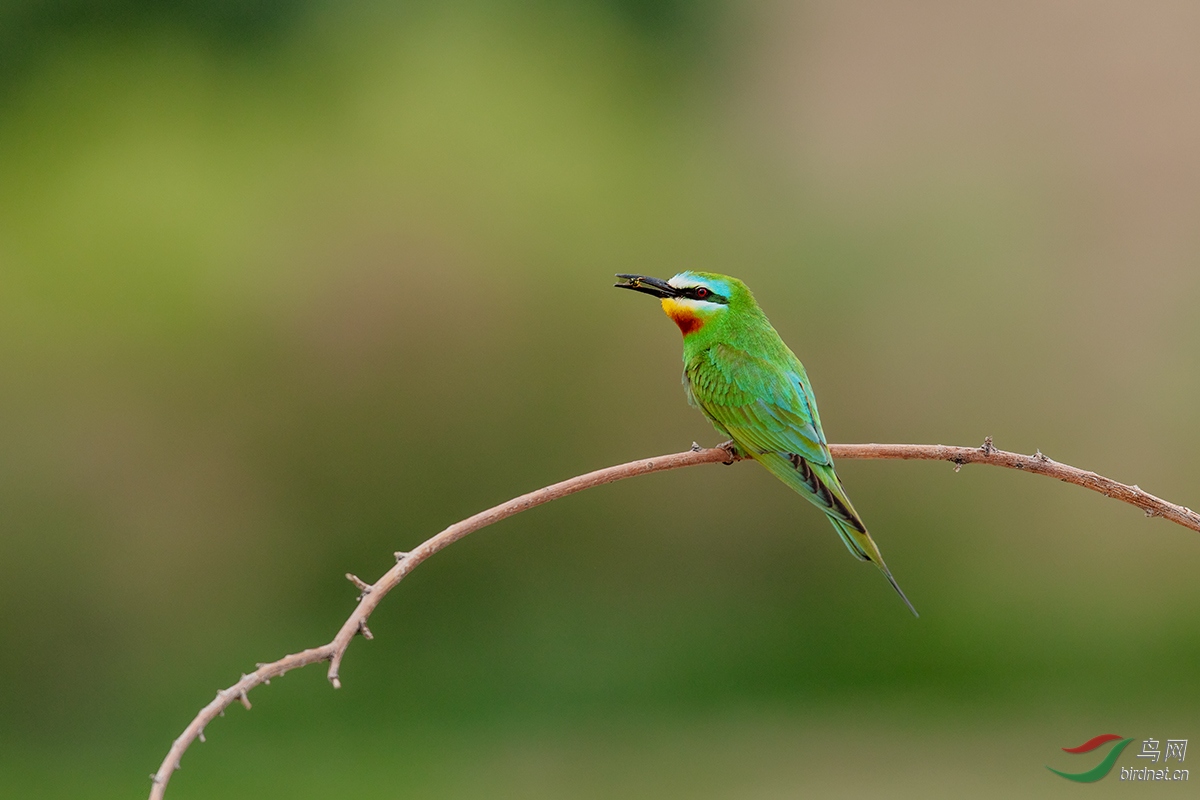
x=754 y=390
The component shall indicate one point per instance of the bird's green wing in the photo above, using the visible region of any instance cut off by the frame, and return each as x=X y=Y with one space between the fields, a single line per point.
x=766 y=408
x=820 y=486
x=769 y=412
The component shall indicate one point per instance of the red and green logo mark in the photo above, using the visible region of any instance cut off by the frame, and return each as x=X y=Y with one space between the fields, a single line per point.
x=1104 y=767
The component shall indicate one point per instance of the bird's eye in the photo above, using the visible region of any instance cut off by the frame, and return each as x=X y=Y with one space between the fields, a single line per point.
x=701 y=293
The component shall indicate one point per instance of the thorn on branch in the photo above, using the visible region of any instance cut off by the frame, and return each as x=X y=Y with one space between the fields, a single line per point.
x=363 y=586
x=958 y=464
x=337 y=683
x=245 y=700
x=200 y=735
x=987 y=448
x=364 y=630
x=154 y=778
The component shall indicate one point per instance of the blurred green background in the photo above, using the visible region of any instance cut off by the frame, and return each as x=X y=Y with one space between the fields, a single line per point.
x=286 y=286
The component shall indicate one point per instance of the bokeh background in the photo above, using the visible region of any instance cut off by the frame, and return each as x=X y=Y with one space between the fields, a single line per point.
x=286 y=286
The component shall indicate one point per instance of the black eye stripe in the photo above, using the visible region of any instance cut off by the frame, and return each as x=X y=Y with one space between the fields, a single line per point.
x=704 y=294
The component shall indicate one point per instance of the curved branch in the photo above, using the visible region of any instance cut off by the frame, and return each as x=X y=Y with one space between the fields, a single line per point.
x=1037 y=463
x=406 y=562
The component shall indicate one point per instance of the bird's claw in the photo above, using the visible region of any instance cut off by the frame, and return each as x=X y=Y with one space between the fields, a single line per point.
x=735 y=453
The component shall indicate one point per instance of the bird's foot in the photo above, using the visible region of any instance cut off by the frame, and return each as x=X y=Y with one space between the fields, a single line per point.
x=735 y=453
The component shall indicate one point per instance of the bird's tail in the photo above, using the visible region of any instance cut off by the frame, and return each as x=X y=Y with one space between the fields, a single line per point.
x=819 y=484
x=863 y=547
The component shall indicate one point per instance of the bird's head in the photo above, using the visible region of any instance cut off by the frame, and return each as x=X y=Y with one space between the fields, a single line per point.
x=692 y=300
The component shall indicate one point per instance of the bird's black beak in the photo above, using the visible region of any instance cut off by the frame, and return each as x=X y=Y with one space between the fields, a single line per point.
x=643 y=283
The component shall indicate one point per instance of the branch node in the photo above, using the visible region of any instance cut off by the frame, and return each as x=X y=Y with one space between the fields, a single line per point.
x=154 y=778
x=987 y=448
x=958 y=464
x=400 y=555
x=1040 y=456
x=1150 y=512
x=361 y=585
x=200 y=735
x=364 y=630
x=245 y=700
x=696 y=448
x=337 y=683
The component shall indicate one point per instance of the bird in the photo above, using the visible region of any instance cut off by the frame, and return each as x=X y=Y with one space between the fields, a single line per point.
x=739 y=373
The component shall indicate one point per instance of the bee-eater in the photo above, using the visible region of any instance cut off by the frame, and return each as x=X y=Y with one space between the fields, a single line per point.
x=754 y=390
